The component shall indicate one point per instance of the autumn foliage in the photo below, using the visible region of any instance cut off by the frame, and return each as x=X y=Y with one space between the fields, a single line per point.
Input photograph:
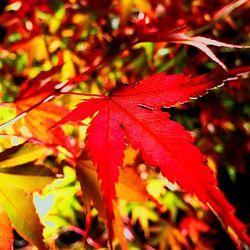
x=124 y=124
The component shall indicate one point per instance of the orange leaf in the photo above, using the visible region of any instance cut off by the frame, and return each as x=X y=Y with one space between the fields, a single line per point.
x=6 y=235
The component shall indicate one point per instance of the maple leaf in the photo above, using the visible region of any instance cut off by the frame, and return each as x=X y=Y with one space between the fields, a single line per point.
x=133 y=113
x=168 y=237
x=144 y=213
x=194 y=227
x=157 y=32
x=133 y=190
x=34 y=113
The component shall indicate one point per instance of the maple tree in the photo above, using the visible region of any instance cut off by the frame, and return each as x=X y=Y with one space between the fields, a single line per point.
x=113 y=159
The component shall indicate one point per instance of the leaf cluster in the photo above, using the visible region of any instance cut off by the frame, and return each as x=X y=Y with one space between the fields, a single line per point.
x=95 y=98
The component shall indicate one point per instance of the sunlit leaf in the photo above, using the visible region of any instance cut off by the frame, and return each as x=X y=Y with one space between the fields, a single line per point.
x=16 y=197
x=21 y=154
x=34 y=47
x=129 y=187
x=144 y=213
x=58 y=205
x=110 y=161
x=159 y=33
x=134 y=111
x=33 y=114
x=6 y=235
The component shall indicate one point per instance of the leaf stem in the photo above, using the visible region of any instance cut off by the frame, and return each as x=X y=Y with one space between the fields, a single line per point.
x=76 y=93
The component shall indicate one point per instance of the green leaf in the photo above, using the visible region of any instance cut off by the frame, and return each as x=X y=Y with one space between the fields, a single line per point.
x=58 y=204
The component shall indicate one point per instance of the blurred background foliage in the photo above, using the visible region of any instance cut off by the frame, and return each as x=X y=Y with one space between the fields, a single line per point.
x=37 y=36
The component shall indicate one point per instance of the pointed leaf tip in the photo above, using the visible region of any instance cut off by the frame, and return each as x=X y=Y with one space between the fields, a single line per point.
x=134 y=112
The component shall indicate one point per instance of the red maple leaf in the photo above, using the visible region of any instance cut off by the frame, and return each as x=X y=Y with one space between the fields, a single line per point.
x=133 y=113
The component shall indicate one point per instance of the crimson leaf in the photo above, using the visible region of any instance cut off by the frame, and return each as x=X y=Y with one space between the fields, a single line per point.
x=133 y=113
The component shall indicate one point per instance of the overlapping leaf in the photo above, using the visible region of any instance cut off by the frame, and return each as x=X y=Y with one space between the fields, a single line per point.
x=194 y=227
x=158 y=32
x=133 y=113
x=19 y=180
x=6 y=235
x=132 y=190
x=169 y=237
x=34 y=114
x=21 y=154
x=16 y=197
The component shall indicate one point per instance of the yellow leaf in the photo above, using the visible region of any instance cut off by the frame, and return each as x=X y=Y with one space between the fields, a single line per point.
x=35 y=48
x=21 y=154
x=16 y=197
x=126 y=7
x=144 y=214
